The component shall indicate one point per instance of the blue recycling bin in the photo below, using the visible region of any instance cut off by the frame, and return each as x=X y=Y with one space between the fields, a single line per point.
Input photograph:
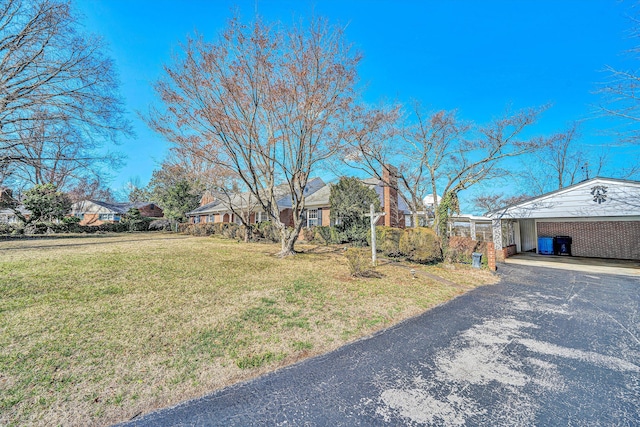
x=545 y=245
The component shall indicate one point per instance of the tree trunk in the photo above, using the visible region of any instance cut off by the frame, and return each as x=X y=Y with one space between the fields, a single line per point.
x=288 y=240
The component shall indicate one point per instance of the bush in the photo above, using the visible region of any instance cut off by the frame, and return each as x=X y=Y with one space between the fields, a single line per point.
x=460 y=249
x=230 y=230
x=162 y=225
x=6 y=228
x=308 y=234
x=387 y=240
x=420 y=245
x=359 y=262
x=268 y=231
x=355 y=232
x=337 y=236
x=323 y=234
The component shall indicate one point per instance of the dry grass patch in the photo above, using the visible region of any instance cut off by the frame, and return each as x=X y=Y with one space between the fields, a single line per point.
x=95 y=330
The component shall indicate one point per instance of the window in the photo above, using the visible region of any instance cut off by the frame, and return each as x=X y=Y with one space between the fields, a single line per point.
x=196 y=219
x=211 y=218
x=261 y=217
x=312 y=218
x=107 y=217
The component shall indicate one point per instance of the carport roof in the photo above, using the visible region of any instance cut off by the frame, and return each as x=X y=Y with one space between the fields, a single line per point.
x=597 y=197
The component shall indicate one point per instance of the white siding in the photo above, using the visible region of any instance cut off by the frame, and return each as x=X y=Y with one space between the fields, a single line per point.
x=528 y=235
x=622 y=198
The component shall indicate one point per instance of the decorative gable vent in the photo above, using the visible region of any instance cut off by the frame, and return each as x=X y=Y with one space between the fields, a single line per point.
x=599 y=193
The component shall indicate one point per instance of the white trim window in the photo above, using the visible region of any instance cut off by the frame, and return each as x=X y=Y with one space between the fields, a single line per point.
x=108 y=217
x=259 y=217
x=312 y=218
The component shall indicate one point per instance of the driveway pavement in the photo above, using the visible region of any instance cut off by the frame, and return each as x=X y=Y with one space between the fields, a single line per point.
x=543 y=347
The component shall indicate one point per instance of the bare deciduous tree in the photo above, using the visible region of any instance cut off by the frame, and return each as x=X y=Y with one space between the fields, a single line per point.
x=266 y=103
x=58 y=92
x=439 y=154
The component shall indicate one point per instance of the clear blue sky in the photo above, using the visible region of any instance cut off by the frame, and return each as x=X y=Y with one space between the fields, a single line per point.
x=474 y=56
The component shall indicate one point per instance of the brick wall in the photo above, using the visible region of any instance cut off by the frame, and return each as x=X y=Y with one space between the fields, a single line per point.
x=599 y=239
x=152 y=211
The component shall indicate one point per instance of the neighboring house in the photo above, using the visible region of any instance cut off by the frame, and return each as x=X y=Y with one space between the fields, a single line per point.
x=317 y=207
x=94 y=212
x=600 y=215
x=8 y=216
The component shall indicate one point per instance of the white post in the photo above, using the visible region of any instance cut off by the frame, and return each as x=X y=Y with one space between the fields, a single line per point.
x=374 y=255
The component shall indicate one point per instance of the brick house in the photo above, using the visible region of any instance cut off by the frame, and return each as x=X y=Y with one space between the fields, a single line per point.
x=600 y=215
x=228 y=208
x=95 y=212
x=317 y=207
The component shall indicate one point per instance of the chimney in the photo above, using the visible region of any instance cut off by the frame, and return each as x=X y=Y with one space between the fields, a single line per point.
x=390 y=196
x=207 y=197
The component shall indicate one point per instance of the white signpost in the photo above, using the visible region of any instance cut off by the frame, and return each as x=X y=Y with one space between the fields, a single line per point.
x=374 y=217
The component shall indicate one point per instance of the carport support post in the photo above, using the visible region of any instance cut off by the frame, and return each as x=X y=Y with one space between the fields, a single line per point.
x=496 y=228
x=472 y=227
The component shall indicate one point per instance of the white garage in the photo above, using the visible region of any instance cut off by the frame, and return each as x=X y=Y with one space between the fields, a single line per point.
x=599 y=218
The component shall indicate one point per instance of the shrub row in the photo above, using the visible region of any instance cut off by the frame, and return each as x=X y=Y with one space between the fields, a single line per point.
x=70 y=225
x=263 y=231
x=416 y=244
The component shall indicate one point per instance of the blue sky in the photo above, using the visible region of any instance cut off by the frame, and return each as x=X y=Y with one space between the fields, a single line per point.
x=478 y=57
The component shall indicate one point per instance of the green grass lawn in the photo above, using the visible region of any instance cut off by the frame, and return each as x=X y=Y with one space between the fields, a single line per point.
x=95 y=330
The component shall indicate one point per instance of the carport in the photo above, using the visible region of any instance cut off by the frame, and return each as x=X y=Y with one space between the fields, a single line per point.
x=601 y=216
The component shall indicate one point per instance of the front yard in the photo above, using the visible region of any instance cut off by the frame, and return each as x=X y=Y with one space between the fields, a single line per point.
x=96 y=330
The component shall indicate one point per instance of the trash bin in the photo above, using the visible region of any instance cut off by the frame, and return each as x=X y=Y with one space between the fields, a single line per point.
x=477 y=259
x=562 y=245
x=545 y=245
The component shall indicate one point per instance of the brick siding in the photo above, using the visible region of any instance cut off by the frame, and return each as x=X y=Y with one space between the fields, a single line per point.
x=598 y=239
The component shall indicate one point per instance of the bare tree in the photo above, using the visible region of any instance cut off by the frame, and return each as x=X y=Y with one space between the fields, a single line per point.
x=58 y=92
x=439 y=154
x=88 y=189
x=562 y=162
x=621 y=93
x=267 y=103
x=491 y=202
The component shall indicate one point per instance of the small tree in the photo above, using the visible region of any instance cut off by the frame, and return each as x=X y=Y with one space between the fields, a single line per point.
x=177 y=199
x=134 y=220
x=350 y=200
x=46 y=203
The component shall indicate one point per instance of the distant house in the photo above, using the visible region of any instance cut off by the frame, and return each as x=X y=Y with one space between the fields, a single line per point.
x=600 y=216
x=95 y=212
x=8 y=216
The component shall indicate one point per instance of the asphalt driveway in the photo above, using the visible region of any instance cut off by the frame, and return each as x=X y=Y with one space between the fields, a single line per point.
x=543 y=347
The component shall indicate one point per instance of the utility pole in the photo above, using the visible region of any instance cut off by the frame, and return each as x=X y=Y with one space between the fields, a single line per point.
x=374 y=217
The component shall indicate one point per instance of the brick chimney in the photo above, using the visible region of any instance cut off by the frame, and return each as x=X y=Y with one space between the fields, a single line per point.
x=390 y=196
x=207 y=197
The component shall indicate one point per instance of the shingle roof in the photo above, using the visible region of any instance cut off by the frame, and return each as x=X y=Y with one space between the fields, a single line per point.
x=121 y=208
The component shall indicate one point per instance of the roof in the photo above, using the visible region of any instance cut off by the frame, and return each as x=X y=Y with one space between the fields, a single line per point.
x=596 y=197
x=247 y=200
x=112 y=207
